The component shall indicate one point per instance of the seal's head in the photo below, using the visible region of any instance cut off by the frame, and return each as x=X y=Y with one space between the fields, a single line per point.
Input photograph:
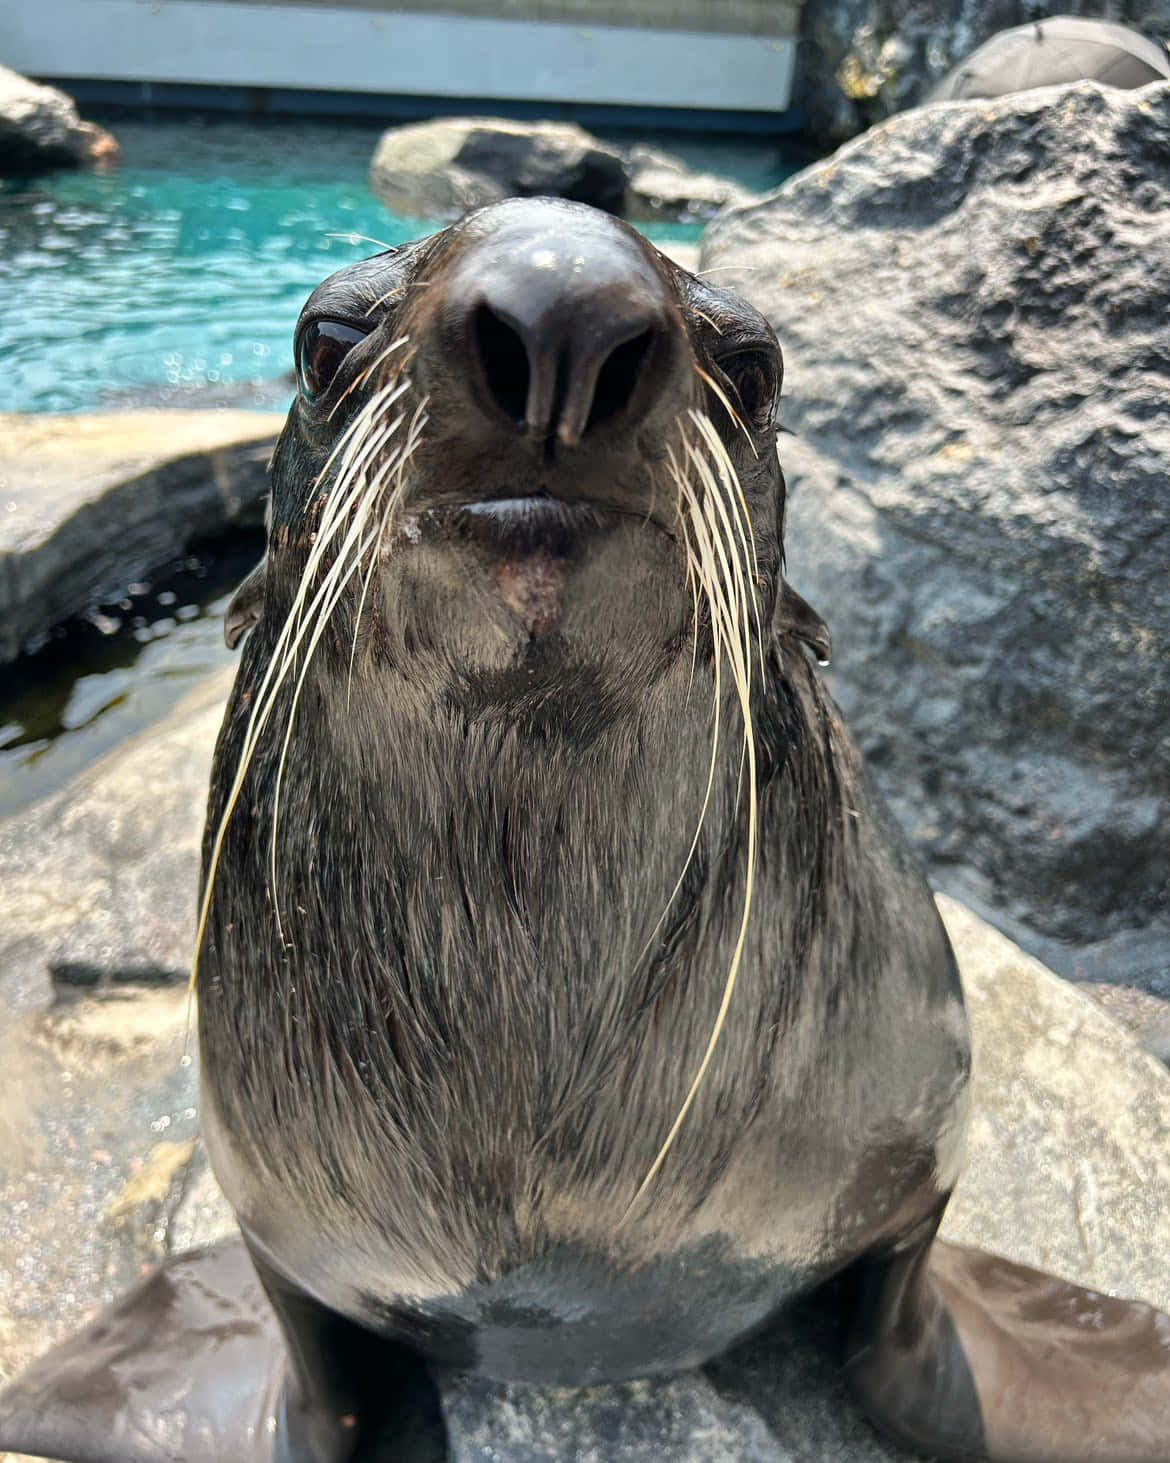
x=524 y=445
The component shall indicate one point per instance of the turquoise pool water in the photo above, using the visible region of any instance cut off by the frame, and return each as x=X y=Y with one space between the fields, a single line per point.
x=181 y=274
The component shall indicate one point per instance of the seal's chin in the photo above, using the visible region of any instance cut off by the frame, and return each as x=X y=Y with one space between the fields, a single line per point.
x=534 y=580
x=535 y=551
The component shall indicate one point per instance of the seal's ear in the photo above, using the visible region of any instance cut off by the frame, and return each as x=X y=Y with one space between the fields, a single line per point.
x=795 y=616
x=245 y=606
x=188 y=1366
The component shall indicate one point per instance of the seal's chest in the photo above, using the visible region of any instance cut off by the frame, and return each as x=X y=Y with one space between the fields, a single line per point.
x=576 y=1315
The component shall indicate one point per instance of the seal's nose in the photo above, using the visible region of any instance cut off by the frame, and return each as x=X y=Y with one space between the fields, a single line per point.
x=547 y=373
x=562 y=329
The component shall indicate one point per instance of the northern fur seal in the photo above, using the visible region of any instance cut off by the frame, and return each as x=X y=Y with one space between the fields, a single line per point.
x=567 y=1004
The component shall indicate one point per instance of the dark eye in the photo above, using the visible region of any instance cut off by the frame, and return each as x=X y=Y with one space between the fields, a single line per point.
x=321 y=348
x=756 y=382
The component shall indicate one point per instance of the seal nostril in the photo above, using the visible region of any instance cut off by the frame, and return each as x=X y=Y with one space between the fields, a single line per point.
x=618 y=377
x=504 y=361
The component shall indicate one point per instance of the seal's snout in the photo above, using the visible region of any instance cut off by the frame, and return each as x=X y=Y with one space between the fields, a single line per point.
x=548 y=379
x=561 y=329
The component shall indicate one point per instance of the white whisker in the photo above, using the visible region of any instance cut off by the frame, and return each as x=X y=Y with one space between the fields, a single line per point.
x=720 y=570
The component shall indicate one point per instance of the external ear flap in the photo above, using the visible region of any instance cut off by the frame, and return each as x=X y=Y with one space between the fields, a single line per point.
x=246 y=605
x=186 y=1368
x=795 y=616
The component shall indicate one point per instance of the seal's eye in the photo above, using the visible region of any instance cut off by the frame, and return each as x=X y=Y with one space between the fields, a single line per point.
x=756 y=382
x=321 y=348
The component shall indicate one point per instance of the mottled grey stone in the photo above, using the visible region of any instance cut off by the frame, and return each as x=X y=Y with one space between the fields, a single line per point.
x=90 y=503
x=663 y=1418
x=974 y=303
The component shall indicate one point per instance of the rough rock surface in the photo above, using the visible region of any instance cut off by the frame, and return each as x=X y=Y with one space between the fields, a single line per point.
x=863 y=60
x=101 y=1173
x=89 y=503
x=439 y=169
x=974 y=302
x=40 y=129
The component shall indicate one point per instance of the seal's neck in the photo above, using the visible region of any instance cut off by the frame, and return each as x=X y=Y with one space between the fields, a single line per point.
x=505 y=919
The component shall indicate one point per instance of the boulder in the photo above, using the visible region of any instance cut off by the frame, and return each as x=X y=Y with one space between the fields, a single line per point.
x=662 y=187
x=439 y=169
x=40 y=130
x=974 y=302
x=101 y=1171
x=90 y=503
x=863 y=60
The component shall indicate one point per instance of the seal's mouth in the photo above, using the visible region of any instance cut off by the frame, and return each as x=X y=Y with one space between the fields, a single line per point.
x=533 y=523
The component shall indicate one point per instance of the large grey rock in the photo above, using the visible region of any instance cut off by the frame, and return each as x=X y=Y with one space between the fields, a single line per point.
x=974 y=301
x=101 y=1173
x=863 y=60
x=90 y=503
x=439 y=169
x=40 y=129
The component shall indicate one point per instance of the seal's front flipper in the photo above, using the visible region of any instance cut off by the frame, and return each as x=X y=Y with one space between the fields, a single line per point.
x=352 y=1396
x=962 y=1355
x=245 y=606
x=186 y=1368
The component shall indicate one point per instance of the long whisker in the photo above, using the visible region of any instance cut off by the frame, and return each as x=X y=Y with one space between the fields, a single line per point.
x=695 y=573
x=338 y=580
x=736 y=496
x=363 y=376
x=726 y=595
x=339 y=503
x=413 y=435
x=338 y=575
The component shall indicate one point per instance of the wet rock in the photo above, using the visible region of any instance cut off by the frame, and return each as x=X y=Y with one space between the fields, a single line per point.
x=974 y=303
x=97 y=1147
x=40 y=130
x=97 y=884
x=439 y=169
x=90 y=503
x=661 y=186
x=863 y=60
